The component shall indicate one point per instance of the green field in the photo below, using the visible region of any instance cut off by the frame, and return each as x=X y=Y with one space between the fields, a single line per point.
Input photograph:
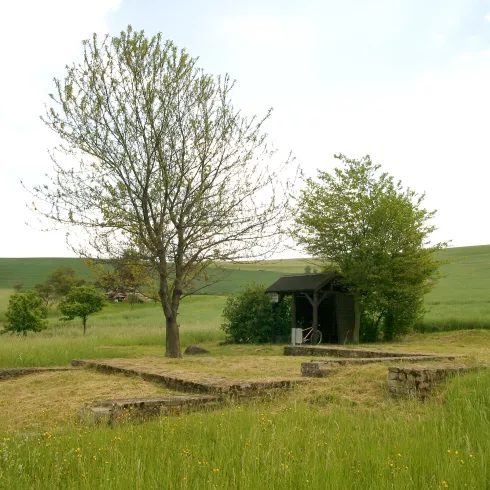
x=461 y=299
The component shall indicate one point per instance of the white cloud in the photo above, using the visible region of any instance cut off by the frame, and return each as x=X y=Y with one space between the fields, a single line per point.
x=439 y=37
x=487 y=17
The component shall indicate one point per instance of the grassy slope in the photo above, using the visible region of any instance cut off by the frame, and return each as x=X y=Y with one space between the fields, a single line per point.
x=460 y=300
x=462 y=297
x=31 y=271
x=35 y=270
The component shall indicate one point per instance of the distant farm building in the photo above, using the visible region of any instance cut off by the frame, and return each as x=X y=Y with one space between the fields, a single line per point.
x=121 y=295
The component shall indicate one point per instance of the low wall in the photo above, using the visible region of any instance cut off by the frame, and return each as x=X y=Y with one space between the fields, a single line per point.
x=113 y=411
x=304 y=350
x=321 y=369
x=216 y=384
x=420 y=380
x=7 y=373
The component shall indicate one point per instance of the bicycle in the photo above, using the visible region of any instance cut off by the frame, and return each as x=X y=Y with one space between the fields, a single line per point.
x=309 y=337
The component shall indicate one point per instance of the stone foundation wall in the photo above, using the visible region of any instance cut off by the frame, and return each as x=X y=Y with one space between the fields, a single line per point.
x=319 y=369
x=314 y=351
x=7 y=373
x=419 y=380
x=113 y=411
x=211 y=384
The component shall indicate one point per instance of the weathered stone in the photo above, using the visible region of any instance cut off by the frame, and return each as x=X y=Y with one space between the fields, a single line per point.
x=189 y=382
x=6 y=373
x=312 y=368
x=319 y=351
x=419 y=380
x=195 y=349
x=140 y=408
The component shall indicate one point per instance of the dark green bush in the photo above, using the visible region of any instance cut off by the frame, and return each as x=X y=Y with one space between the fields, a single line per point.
x=249 y=316
x=370 y=328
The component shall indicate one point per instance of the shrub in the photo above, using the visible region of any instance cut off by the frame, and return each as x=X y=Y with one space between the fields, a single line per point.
x=370 y=328
x=25 y=312
x=249 y=316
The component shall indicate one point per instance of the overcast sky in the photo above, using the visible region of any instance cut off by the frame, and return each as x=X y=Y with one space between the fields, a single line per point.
x=407 y=81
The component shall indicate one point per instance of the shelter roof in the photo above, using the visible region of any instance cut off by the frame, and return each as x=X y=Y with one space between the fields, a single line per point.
x=296 y=283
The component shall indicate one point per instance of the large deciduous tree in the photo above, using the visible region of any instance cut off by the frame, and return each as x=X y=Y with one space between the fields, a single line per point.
x=378 y=234
x=166 y=165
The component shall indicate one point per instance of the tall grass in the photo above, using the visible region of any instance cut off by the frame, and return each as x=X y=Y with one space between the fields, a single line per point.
x=58 y=345
x=286 y=446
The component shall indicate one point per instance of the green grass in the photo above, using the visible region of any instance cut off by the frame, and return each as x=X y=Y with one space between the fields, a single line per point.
x=283 y=444
x=118 y=331
x=461 y=300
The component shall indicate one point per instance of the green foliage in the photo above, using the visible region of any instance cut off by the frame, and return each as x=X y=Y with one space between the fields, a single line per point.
x=81 y=301
x=63 y=279
x=249 y=316
x=47 y=293
x=370 y=328
x=25 y=312
x=377 y=233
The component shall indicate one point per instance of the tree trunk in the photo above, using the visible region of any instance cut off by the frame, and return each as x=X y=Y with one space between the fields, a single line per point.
x=170 y=306
x=357 y=320
x=172 y=338
x=389 y=326
x=84 y=319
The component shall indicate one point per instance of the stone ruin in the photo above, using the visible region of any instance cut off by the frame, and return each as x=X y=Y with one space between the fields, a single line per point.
x=420 y=380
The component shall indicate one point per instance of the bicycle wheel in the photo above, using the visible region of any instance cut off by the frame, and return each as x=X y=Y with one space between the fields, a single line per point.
x=316 y=338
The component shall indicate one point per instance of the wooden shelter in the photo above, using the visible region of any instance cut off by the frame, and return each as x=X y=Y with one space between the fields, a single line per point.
x=319 y=300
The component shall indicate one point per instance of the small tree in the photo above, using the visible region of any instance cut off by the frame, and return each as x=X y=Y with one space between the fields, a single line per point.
x=249 y=317
x=25 y=312
x=377 y=233
x=81 y=301
x=18 y=286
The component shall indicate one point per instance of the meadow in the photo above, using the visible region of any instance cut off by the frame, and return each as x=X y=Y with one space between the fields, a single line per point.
x=341 y=432
x=344 y=431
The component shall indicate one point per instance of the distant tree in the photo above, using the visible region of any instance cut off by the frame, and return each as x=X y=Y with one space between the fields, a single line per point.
x=18 y=286
x=249 y=318
x=81 y=302
x=63 y=279
x=308 y=269
x=47 y=293
x=25 y=312
x=165 y=165
x=378 y=235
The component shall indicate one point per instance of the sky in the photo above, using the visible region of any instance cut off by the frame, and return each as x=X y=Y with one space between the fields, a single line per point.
x=405 y=81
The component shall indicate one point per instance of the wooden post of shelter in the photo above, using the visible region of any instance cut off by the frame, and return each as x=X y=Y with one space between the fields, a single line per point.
x=293 y=311
x=315 y=315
